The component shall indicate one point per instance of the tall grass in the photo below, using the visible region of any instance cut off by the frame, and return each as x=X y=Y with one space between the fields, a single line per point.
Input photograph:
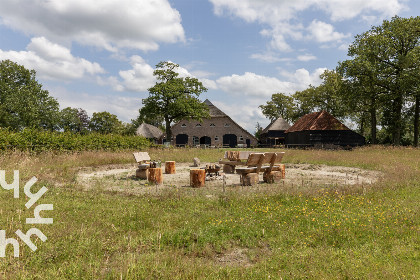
x=193 y=234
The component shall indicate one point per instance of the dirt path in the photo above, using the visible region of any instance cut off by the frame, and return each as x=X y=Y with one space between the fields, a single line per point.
x=122 y=178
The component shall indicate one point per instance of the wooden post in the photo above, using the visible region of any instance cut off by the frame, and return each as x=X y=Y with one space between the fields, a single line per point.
x=283 y=170
x=197 y=178
x=155 y=176
x=249 y=179
x=170 y=167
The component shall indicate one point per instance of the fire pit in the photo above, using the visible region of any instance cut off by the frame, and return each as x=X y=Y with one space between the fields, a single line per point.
x=212 y=171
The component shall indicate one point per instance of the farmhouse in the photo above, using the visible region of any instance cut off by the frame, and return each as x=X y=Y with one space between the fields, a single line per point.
x=321 y=129
x=150 y=132
x=274 y=134
x=218 y=130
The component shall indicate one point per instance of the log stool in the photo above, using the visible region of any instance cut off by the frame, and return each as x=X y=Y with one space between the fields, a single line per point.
x=249 y=179
x=155 y=176
x=228 y=169
x=273 y=177
x=170 y=167
x=197 y=178
x=142 y=171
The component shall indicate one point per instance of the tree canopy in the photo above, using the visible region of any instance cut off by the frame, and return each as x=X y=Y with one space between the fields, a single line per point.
x=105 y=122
x=173 y=98
x=378 y=87
x=23 y=102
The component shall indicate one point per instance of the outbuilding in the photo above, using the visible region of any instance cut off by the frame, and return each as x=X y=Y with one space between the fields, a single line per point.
x=274 y=134
x=150 y=132
x=321 y=129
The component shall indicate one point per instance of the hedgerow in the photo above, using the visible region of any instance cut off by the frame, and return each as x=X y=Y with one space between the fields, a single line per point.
x=40 y=140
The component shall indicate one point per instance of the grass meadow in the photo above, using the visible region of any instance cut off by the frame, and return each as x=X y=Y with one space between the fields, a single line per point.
x=273 y=232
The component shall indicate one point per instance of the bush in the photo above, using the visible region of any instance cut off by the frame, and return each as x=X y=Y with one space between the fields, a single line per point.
x=39 y=140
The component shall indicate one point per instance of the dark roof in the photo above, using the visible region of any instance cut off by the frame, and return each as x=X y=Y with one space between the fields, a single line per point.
x=149 y=131
x=317 y=121
x=213 y=110
x=279 y=124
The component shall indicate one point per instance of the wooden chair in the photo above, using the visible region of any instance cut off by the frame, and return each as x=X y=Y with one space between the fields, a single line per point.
x=232 y=159
x=257 y=162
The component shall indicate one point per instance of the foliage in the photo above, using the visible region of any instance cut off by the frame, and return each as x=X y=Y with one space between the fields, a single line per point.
x=74 y=120
x=105 y=122
x=258 y=131
x=173 y=98
x=386 y=61
x=280 y=105
x=379 y=87
x=23 y=102
x=42 y=140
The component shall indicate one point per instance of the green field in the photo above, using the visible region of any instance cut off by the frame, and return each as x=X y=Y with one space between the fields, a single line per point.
x=271 y=232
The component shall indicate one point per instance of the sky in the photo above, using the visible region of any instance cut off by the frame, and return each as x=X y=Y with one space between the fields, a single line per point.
x=99 y=55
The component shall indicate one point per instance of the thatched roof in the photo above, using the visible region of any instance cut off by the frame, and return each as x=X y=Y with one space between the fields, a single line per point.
x=149 y=131
x=213 y=110
x=279 y=124
x=317 y=121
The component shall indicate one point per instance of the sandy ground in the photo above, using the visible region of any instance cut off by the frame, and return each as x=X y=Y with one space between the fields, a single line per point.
x=122 y=178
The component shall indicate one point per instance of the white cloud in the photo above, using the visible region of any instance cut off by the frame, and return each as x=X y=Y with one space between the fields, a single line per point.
x=306 y=57
x=137 y=79
x=323 y=32
x=126 y=108
x=52 y=61
x=284 y=20
x=253 y=85
x=108 y=24
x=140 y=77
x=302 y=78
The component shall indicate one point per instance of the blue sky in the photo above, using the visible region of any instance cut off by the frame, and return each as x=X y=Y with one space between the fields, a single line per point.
x=99 y=55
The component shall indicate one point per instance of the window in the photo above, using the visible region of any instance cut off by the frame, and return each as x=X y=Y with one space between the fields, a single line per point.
x=198 y=125
x=227 y=125
x=212 y=125
x=241 y=138
x=216 y=138
x=183 y=125
x=196 y=141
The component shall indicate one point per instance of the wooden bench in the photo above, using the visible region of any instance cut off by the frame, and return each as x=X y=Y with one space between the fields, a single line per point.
x=232 y=159
x=261 y=162
x=143 y=160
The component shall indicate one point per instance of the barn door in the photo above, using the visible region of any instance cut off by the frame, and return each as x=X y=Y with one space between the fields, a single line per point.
x=205 y=140
x=181 y=139
x=230 y=140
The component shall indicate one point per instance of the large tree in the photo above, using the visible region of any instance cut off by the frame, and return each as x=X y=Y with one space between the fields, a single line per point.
x=391 y=49
x=173 y=98
x=23 y=102
x=74 y=120
x=105 y=122
x=280 y=105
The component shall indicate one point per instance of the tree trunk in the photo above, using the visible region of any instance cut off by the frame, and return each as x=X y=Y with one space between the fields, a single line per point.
x=373 y=119
x=416 y=121
x=396 y=120
x=168 y=130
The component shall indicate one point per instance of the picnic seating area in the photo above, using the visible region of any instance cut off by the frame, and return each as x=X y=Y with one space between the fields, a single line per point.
x=248 y=165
